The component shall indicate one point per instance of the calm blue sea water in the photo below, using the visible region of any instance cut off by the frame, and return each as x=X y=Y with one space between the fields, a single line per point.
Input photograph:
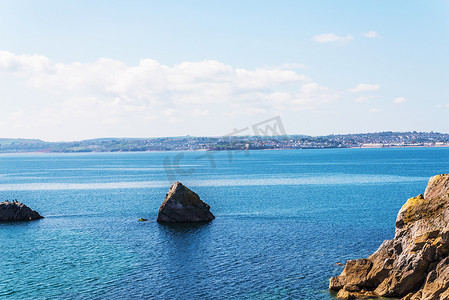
x=283 y=219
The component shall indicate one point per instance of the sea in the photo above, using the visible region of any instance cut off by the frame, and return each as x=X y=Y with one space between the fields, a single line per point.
x=285 y=219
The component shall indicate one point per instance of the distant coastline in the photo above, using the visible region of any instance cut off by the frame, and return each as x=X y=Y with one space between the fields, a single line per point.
x=187 y=143
x=407 y=146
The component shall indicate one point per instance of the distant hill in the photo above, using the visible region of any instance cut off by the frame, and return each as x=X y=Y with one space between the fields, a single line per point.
x=366 y=140
x=19 y=141
x=22 y=145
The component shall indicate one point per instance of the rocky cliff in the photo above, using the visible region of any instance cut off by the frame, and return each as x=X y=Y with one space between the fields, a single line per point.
x=16 y=211
x=415 y=263
x=183 y=205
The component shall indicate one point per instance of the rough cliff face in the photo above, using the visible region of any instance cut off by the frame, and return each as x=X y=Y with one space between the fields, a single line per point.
x=415 y=263
x=16 y=211
x=183 y=205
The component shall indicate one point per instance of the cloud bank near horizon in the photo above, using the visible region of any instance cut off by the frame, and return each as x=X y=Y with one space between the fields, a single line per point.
x=109 y=95
x=110 y=91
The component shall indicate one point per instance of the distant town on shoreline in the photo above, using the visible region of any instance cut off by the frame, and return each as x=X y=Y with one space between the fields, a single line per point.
x=186 y=143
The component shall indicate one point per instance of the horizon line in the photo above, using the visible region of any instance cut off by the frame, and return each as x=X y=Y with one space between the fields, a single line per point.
x=220 y=136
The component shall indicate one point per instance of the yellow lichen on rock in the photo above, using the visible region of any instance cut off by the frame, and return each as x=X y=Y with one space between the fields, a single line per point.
x=413 y=202
x=415 y=263
x=410 y=209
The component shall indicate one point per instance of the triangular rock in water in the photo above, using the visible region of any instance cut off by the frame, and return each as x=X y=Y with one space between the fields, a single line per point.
x=17 y=211
x=183 y=205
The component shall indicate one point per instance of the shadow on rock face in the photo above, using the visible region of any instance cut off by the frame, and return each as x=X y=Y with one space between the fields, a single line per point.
x=413 y=265
x=14 y=211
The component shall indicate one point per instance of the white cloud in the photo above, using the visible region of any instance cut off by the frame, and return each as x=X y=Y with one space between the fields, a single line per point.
x=332 y=37
x=245 y=111
x=371 y=34
x=23 y=63
x=147 y=80
x=308 y=98
x=110 y=92
x=200 y=113
x=374 y=110
x=399 y=100
x=364 y=87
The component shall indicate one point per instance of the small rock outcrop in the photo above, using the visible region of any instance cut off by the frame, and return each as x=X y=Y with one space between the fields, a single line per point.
x=415 y=263
x=183 y=205
x=16 y=211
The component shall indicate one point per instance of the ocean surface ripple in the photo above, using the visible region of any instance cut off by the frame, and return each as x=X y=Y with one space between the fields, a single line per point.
x=283 y=220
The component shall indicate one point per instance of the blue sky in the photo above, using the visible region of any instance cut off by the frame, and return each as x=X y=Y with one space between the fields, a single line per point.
x=72 y=70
